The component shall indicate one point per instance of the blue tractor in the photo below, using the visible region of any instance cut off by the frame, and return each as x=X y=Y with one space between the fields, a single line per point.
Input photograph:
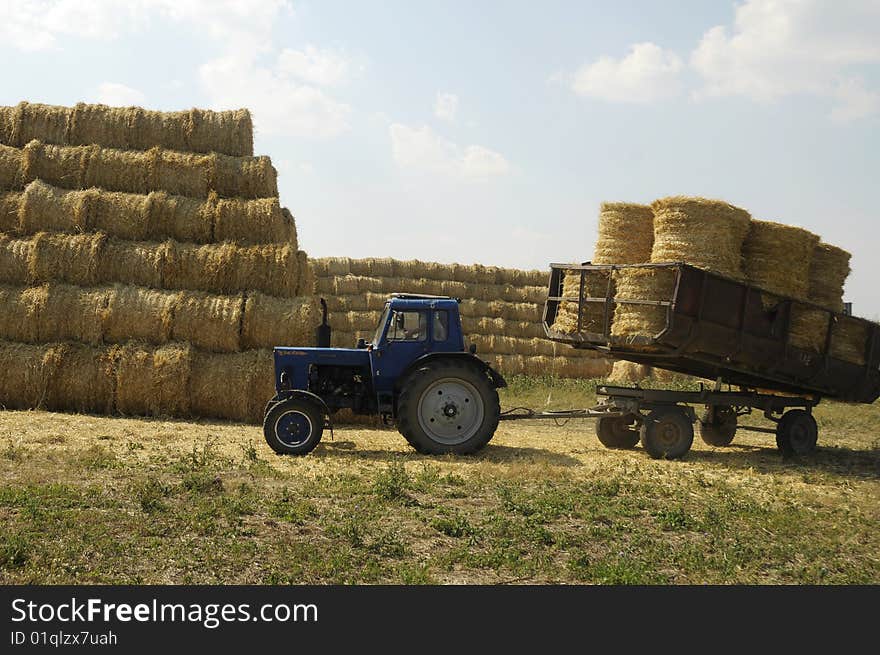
x=415 y=372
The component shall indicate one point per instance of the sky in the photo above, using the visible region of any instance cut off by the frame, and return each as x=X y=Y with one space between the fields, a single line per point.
x=490 y=131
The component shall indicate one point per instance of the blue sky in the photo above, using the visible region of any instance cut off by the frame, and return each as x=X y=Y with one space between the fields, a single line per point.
x=490 y=131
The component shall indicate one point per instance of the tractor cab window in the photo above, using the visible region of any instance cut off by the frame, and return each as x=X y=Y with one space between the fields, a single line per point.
x=407 y=326
x=441 y=325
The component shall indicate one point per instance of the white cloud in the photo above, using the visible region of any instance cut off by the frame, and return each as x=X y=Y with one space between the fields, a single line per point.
x=280 y=106
x=323 y=67
x=119 y=95
x=422 y=149
x=647 y=74
x=446 y=107
x=778 y=48
x=854 y=101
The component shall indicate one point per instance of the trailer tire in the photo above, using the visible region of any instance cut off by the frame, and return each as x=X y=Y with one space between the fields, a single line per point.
x=617 y=431
x=293 y=426
x=448 y=406
x=722 y=429
x=797 y=433
x=667 y=433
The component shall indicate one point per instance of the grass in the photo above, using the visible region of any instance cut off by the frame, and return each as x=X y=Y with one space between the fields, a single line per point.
x=87 y=499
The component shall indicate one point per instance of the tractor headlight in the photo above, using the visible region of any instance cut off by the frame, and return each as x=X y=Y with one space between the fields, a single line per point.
x=285 y=380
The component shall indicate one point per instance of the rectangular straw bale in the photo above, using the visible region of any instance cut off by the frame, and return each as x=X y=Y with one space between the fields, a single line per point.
x=705 y=233
x=14 y=257
x=849 y=340
x=20 y=315
x=82 y=378
x=454 y=289
x=102 y=125
x=326 y=285
x=44 y=207
x=36 y=121
x=23 y=383
x=252 y=222
x=777 y=258
x=134 y=263
x=10 y=218
x=11 y=168
x=60 y=166
x=829 y=269
x=305 y=285
x=136 y=313
x=153 y=381
x=6 y=122
x=222 y=385
x=114 y=170
x=808 y=327
x=373 y=267
x=243 y=177
x=70 y=313
x=270 y=322
x=623 y=371
x=210 y=322
x=71 y=258
x=179 y=218
x=632 y=320
x=626 y=234
x=592 y=314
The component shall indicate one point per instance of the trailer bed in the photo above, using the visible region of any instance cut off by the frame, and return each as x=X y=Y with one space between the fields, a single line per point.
x=717 y=327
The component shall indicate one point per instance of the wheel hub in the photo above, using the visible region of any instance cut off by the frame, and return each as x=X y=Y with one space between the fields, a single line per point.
x=293 y=428
x=451 y=411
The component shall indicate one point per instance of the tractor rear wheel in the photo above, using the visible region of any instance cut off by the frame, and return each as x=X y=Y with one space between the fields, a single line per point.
x=293 y=426
x=448 y=406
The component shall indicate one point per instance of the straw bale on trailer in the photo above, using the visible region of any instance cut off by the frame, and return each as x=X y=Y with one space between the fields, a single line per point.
x=624 y=371
x=272 y=321
x=131 y=128
x=208 y=321
x=808 y=327
x=592 y=313
x=828 y=272
x=849 y=341
x=653 y=284
x=708 y=234
x=153 y=381
x=71 y=258
x=135 y=313
x=777 y=258
x=626 y=234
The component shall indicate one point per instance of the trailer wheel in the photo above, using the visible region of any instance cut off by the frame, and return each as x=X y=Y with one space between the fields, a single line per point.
x=448 y=406
x=667 y=432
x=617 y=431
x=293 y=426
x=797 y=433
x=721 y=430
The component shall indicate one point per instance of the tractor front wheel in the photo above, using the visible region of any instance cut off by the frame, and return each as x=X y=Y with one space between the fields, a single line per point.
x=293 y=426
x=448 y=407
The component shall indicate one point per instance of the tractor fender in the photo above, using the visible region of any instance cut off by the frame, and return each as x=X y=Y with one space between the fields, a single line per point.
x=300 y=393
x=497 y=379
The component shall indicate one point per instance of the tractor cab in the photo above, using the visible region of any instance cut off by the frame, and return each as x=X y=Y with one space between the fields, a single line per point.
x=416 y=335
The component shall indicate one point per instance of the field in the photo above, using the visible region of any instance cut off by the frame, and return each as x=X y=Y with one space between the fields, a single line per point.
x=88 y=499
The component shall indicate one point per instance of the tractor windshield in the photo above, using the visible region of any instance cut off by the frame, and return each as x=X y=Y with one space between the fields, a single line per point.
x=381 y=327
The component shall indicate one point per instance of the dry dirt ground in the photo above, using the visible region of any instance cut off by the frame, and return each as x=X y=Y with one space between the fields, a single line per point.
x=88 y=499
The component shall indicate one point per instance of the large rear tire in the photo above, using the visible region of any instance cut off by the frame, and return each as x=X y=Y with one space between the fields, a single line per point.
x=293 y=426
x=448 y=406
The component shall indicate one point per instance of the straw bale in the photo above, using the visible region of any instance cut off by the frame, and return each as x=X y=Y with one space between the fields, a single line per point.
x=849 y=340
x=372 y=267
x=207 y=321
x=10 y=218
x=23 y=383
x=252 y=222
x=626 y=234
x=153 y=381
x=6 y=124
x=777 y=258
x=74 y=259
x=15 y=255
x=592 y=314
x=196 y=130
x=334 y=265
x=808 y=327
x=82 y=378
x=623 y=371
x=306 y=282
x=270 y=322
x=19 y=320
x=244 y=177
x=11 y=167
x=135 y=313
x=705 y=233
x=69 y=313
x=44 y=207
x=223 y=386
x=641 y=284
x=139 y=264
x=828 y=272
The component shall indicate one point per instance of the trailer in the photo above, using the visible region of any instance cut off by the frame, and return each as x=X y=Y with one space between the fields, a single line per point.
x=719 y=329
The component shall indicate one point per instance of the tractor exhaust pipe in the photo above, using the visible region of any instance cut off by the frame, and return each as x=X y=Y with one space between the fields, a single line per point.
x=322 y=332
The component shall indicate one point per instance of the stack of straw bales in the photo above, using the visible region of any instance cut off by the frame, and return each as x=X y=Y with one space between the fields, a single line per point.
x=146 y=265
x=501 y=310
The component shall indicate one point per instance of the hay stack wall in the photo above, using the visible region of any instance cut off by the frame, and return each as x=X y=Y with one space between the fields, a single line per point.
x=501 y=310
x=146 y=265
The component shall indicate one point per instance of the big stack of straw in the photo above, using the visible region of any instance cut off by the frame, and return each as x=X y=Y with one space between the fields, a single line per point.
x=501 y=310
x=146 y=264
